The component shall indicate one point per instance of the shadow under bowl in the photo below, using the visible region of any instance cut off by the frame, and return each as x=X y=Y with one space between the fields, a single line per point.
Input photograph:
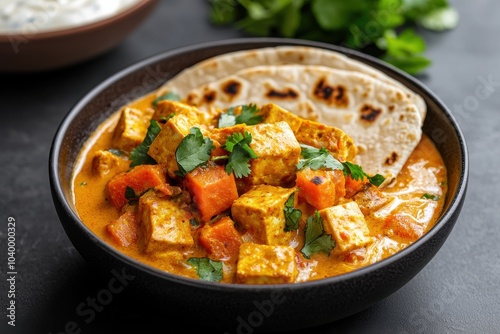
x=268 y=307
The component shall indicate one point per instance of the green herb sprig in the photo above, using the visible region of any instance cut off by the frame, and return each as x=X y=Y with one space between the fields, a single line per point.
x=193 y=151
x=316 y=240
x=139 y=155
x=384 y=28
x=316 y=158
x=249 y=115
x=207 y=269
x=240 y=154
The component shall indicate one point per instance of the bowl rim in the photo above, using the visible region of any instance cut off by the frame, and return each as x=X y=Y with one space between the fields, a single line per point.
x=79 y=29
x=58 y=192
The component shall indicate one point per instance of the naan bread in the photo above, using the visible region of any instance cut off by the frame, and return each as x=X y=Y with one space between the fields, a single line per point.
x=224 y=65
x=384 y=124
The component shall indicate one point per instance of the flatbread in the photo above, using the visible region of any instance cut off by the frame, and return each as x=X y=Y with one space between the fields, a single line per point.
x=224 y=65
x=384 y=124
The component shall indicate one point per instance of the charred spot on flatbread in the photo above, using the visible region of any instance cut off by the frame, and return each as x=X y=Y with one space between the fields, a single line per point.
x=283 y=94
x=231 y=88
x=336 y=95
x=391 y=159
x=369 y=113
x=209 y=96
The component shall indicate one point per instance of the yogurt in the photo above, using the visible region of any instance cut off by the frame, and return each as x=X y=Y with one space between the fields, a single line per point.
x=33 y=16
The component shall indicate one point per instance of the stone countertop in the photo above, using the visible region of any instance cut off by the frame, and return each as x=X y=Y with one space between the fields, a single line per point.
x=457 y=292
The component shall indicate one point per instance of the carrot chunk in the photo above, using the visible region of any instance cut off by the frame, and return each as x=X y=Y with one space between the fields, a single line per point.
x=221 y=240
x=124 y=229
x=320 y=188
x=352 y=187
x=404 y=226
x=140 y=178
x=212 y=189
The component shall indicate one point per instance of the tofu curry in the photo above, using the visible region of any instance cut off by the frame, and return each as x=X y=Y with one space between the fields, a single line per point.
x=248 y=195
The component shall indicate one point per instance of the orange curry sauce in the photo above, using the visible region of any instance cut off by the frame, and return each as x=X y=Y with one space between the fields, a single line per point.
x=424 y=173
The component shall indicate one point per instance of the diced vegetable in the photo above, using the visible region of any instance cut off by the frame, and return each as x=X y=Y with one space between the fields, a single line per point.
x=321 y=188
x=124 y=229
x=221 y=240
x=404 y=226
x=212 y=189
x=352 y=187
x=140 y=179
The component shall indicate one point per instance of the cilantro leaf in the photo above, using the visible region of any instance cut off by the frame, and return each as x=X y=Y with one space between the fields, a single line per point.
x=193 y=151
x=292 y=215
x=139 y=155
x=168 y=96
x=430 y=196
x=315 y=239
x=240 y=154
x=249 y=116
x=357 y=173
x=315 y=158
x=207 y=270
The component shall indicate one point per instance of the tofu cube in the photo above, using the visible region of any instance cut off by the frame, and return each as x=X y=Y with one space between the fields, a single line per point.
x=263 y=264
x=260 y=210
x=106 y=163
x=271 y=113
x=162 y=149
x=370 y=199
x=336 y=141
x=132 y=127
x=166 y=108
x=347 y=226
x=163 y=226
x=278 y=152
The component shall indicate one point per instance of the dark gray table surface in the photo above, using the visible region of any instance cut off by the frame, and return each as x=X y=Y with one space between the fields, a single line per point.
x=457 y=292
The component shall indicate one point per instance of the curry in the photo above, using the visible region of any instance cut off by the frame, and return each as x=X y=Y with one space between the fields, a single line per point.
x=249 y=195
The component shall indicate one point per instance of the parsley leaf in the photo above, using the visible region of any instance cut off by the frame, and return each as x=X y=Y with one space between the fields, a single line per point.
x=315 y=239
x=430 y=196
x=357 y=173
x=193 y=151
x=168 y=96
x=139 y=155
x=241 y=153
x=315 y=158
x=249 y=116
x=292 y=215
x=207 y=270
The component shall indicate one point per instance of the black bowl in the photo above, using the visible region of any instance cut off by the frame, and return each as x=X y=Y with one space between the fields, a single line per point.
x=251 y=307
